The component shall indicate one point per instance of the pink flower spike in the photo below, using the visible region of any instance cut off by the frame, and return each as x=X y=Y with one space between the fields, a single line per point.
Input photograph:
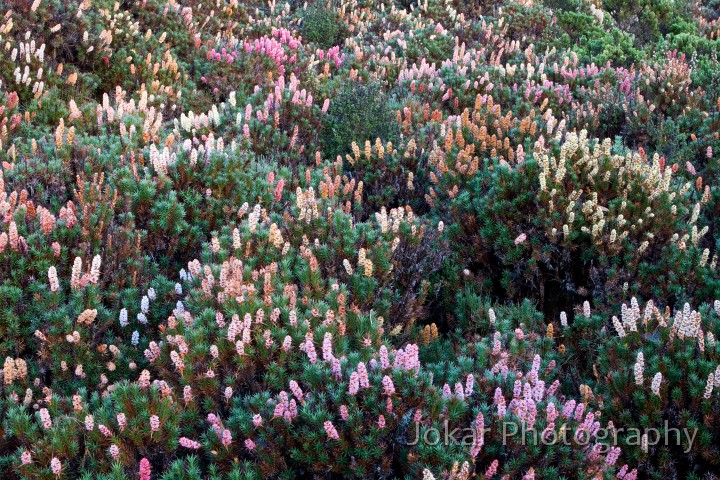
x=145 y=469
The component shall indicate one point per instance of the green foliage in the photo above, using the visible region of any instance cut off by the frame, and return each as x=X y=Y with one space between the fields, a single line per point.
x=321 y=25
x=357 y=113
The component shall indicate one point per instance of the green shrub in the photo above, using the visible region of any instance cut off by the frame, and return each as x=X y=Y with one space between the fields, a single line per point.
x=357 y=113
x=321 y=25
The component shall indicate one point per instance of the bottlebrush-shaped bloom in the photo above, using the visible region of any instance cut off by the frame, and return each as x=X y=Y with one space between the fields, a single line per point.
x=89 y=423
x=53 y=278
x=656 y=382
x=123 y=318
x=122 y=421
x=327 y=347
x=45 y=418
x=384 y=358
x=257 y=420
x=469 y=385
x=104 y=430
x=188 y=443
x=492 y=469
x=336 y=368
x=154 y=423
x=381 y=422
x=145 y=469
x=226 y=438
x=114 y=451
x=310 y=351
x=388 y=386
x=331 y=431
x=55 y=466
x=639 y=368
x=362 y=376
x=354 y=384
x=709 y=386
x=296 y=390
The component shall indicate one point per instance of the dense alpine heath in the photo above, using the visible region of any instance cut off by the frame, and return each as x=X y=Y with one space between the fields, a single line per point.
x=252 y=239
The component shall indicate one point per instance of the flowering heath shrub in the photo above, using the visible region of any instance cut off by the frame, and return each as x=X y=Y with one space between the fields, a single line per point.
x=359 y=239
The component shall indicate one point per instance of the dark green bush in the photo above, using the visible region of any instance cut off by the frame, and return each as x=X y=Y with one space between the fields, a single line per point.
x=357 y=113
x=321 y=24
